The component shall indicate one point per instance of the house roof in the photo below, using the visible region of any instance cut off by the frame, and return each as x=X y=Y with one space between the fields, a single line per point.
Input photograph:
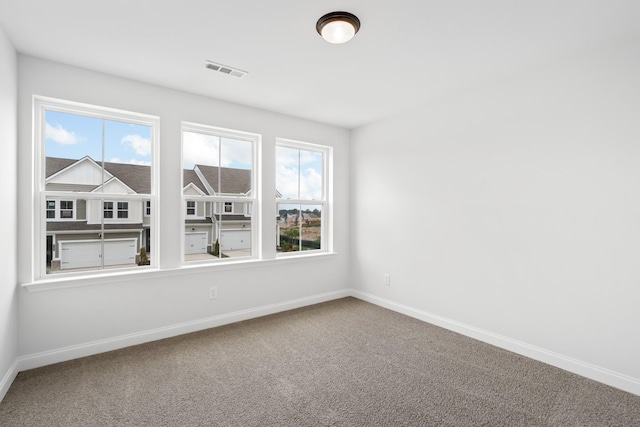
x=138 y=177
x=234 y=181
x=55 y=164
x=190 y=176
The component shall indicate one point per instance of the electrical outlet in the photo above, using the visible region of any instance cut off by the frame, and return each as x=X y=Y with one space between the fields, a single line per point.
x=386 y=279
x=213 y=292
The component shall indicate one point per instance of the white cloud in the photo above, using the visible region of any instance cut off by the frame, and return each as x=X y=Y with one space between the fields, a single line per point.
x=139 y=162
x=290 y=161
x=236 y=153
x=141 y=145
x=287 y=181
x=61 y=135
x=311 y=185
x=199 y=148
x=131 y=162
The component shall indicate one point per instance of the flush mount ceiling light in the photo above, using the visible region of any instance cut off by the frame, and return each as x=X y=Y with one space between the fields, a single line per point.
x=338 y=27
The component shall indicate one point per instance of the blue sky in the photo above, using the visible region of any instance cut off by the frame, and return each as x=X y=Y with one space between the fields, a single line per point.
x=73 y=136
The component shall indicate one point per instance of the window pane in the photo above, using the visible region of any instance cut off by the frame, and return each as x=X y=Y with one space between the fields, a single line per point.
x=299 y=173
x=127 y=154
x=191 y=207
x=108 y=209
x=216 y=165
x=51 y=209
x=299 y=227
x=86 y=154
x=218 y=236
x=287 y=172
x=93 y=244
x=72 y=137
x=74 y=154
x=301 y=196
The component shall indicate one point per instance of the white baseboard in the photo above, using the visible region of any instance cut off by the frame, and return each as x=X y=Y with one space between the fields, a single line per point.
x=596 y=373
x=8 y=378
x=37 y=360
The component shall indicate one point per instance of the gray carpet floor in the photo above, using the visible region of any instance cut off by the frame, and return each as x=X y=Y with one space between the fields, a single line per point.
x=341 y=363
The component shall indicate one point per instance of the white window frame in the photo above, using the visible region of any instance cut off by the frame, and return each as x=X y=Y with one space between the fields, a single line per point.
x=42 y=104
x=195 y=209
x=224 y=211
x=253 y=199
x=111 y=209
x=123 y=210
x=57 y=209
x=326 y=201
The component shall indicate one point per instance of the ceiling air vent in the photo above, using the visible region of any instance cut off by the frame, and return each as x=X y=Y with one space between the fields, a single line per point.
x=224 y=69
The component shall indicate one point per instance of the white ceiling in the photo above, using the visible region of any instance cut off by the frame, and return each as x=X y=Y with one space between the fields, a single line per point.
x=407 y=53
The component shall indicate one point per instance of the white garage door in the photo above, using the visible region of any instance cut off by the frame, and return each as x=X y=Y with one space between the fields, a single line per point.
x=231 y=240
x=88 y=253
x=195 y=243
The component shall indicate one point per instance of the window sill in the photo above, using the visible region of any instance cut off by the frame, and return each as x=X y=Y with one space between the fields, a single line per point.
x=150 y=273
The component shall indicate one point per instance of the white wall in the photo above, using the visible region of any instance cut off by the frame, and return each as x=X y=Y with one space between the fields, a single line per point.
x=8 y=219
x=63 y=323
x=512 y=212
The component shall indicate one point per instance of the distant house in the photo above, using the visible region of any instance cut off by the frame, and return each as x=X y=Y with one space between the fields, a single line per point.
x=204 y=220
x=74 y=224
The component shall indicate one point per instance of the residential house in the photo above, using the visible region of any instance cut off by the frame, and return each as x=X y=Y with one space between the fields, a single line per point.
x=227 y=222
x=76 y=226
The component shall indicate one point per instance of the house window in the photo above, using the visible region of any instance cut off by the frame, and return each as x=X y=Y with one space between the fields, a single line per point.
x=51 y=209
x=108 y=210
x=191 y=208
x=66 y=209
x=59 y=210
x=302 y=184
x=218 y=174
x=123 y=210
x=94 y=165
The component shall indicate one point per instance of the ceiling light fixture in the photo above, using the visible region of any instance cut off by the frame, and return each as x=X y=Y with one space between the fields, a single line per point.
x=338 y=27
